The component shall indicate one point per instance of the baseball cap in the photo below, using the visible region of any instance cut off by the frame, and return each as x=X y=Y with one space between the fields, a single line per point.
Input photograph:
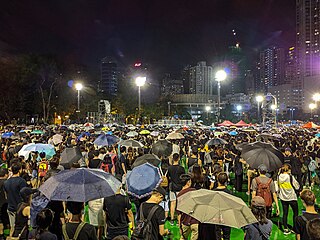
x=161 y=191
x=258 y=201
x=288 y=149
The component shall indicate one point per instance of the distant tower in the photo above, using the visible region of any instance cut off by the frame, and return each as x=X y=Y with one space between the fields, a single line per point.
x=108 y=83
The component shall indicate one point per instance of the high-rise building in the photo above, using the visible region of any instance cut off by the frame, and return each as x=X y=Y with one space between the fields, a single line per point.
x=171 y=86
x=272 y=67
x=201 y=79
x=291 y=66
x=108 y=83
x=185 y=76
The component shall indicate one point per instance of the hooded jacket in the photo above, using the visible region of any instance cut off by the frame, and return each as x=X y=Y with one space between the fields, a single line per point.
x=286 y=190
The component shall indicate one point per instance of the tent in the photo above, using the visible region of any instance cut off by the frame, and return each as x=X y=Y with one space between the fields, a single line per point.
x=226 y=123
x=310 y=125
x=241 y=124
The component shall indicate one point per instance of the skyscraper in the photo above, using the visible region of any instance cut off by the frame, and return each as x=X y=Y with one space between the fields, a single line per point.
x=108 y=83
x=201 y=79
x=272 y=67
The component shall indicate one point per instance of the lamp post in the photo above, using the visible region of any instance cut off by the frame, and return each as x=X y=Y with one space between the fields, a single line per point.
x=140 y=81
x=208 y=108
x=259 y=99
x=220 y=76
x=312 y=106
x=292 y=110
x=239 y=108
x=78 y=87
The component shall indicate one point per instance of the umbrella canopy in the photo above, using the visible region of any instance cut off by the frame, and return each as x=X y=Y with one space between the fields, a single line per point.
x=131 y=143
x=216 y=142
x=259 y=153
x=174 y=135
x=7 y=135
x=106 y=140
x=88 y=124
x=155 y=133
x=310 y=125
x=142 y=180
x=318 y=135
x=80 y=185
x=144 y=132
x=233 y=133
x=241 y=124
x=48 y=149
x=132 y=134
x=216 y=207
x=57 y=138
x=37 y=132
x=69 y=156
x=226 y=123
x=23 y=151
x=147 y=158
x=162 y=148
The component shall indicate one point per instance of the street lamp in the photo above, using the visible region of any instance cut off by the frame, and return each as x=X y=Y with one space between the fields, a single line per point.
x=292 y=110
x=316 y=97
x=239 y=108
x=312 y=106
x=208 y=108
x=78 y=87
x=220 y=76
x=259 y=99
x=140 y=81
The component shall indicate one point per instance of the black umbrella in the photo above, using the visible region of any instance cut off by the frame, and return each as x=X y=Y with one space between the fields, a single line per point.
x=216 y=142
x=147 y=158
x=162 y=148
x=69 y=156
x=265 y=154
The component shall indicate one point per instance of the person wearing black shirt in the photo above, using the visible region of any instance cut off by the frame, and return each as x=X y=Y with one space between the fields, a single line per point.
x=96 y=161
x=174 y=173
x=12 y=187
x=118 y=211
x=43 y=220
x=158 y=219
x=87 y=232
x=308 y=199
x=4 y=219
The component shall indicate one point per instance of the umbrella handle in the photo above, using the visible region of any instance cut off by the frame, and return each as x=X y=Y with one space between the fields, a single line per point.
x=161 y=171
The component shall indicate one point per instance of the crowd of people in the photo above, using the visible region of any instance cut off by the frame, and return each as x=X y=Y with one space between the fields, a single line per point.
x=192 y=165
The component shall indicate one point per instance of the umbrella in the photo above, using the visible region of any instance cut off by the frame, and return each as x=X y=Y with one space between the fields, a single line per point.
x=142 y=180
x=48 y=149
x=80 y=185
x=23 y=151
x=216 y=142
x=57 y=138
x=242 y=146
x=132 y=134
x=233 y=133
x=37 y=132
x=144 y=132
x=106 y=140
x=318 y=135
x=162 y=148
x=217 y=134
x=131 y=143
x=216 y=207
x=147 y=158
x=259 y=153
x=174 y=135
x=7 y=135
x=155 y=133
x=88 y=124
x=69 y=156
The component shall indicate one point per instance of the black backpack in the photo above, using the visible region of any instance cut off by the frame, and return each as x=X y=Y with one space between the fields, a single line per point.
x=143 y=228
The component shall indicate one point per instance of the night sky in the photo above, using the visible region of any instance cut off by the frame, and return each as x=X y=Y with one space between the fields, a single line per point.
x=166 y=34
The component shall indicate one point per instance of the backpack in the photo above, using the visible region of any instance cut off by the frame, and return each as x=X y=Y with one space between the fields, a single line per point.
x=37 y=204
x=75 y=236
x=313 y=165
x=143 y=228
x=165 y=181
x=264 y=191
x=43 y=168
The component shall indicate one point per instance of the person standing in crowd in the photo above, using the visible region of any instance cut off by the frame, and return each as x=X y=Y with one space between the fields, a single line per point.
x=158 y=218
x=313 y=229
x=308 y=200
x=12 y=188
x=264 y=187
x=174 y=173
x=4 y=219
x=188 y=225
x=43 y=220
x=75 y=227
x=287 y=185
x=118 y=212
x=261 y=230
x=95 y=161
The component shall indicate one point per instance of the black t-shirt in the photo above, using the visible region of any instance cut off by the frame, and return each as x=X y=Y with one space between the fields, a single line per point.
x=88 y=231
x=174 y=173
x=301 y=225
x=223 y=190
x=94 y=163
x=12 y=186
x=43 y=236
x=3 y=199
x=157 y=219
x=116 y=208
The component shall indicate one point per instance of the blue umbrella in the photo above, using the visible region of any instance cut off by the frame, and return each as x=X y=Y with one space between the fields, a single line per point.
x=318 y=135
x=233 y=133
x=80 y=185
x=7 y=135
x=83 y=135
x=142 y=180
x=48 y=149
x=106 y=140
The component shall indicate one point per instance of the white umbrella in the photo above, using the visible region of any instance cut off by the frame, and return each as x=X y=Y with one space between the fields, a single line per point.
x=132 y=134
x=174 y=135
x=57 y=139
x=23 y=152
